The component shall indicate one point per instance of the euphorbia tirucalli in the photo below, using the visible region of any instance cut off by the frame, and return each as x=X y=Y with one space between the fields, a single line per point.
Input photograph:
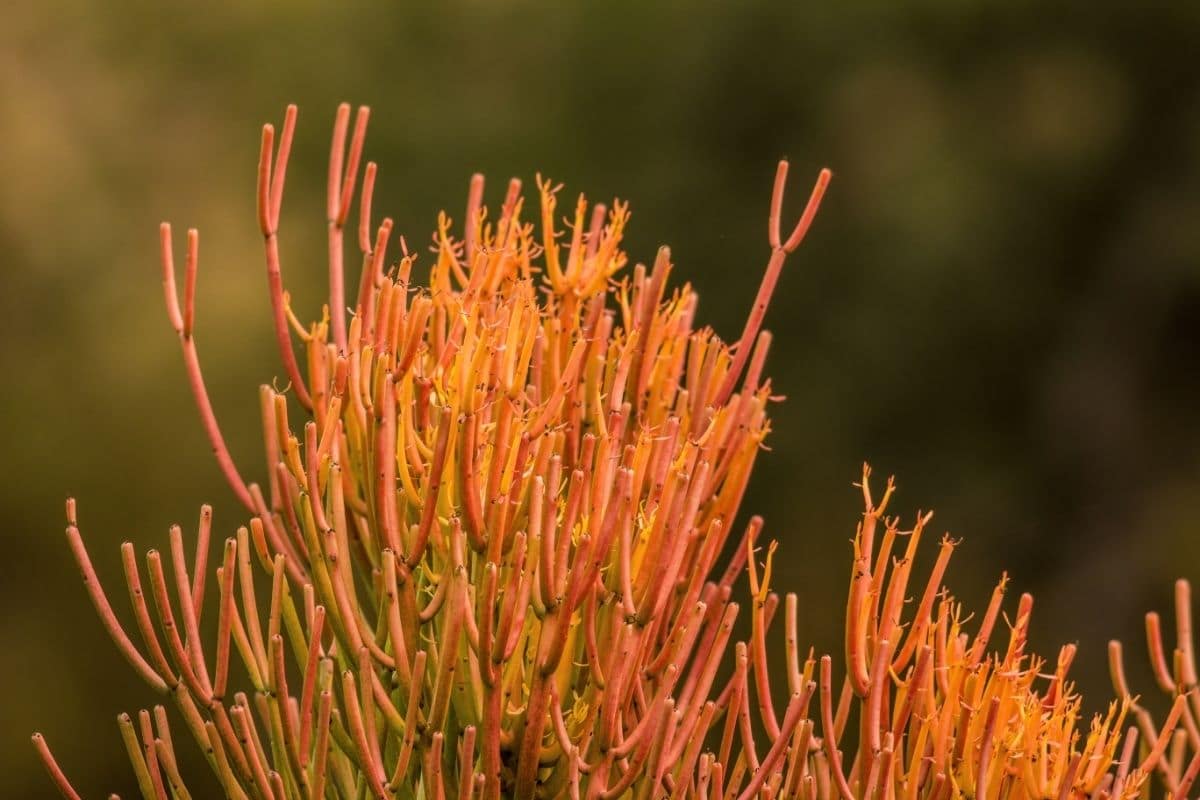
x=493 y=515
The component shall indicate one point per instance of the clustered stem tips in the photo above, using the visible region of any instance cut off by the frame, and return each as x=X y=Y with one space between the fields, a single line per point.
x=499 y=521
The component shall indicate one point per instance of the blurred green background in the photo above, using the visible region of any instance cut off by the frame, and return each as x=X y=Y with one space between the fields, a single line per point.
x=999 y=303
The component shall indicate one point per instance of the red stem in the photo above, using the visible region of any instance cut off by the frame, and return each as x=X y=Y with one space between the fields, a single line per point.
x=56 y=773
x=92 y=583
x=183 y=326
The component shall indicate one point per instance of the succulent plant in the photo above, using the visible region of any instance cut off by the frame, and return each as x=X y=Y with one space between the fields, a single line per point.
x=498 y=522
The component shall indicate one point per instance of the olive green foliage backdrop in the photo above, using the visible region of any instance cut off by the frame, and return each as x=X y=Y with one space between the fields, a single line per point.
x=999 y=302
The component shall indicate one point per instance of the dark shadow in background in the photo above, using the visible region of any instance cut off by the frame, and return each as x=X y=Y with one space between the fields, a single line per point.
x=999 y=302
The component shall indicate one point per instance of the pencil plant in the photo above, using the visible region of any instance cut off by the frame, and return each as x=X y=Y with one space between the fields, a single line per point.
x=497 y=518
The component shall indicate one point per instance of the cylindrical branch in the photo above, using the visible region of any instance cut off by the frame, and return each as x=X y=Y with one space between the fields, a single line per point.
x=182 y=321
x=1175 y=675
x=109 y=619
x=272 y=173
x=56 y=773
x=779 y=252
x=343 y=174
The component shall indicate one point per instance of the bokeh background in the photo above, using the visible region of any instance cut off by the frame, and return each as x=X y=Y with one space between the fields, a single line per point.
x=999 y=303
